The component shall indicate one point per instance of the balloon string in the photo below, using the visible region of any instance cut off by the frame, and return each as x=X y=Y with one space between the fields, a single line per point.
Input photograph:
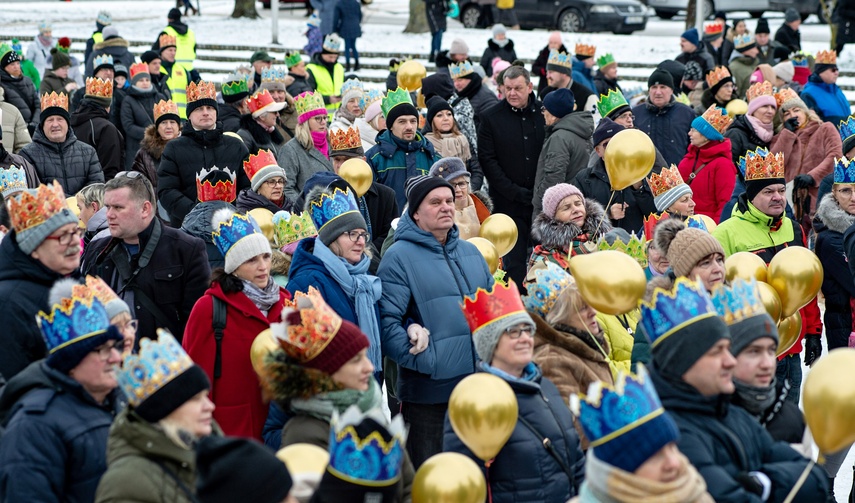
x=800 y=482
x=605 y=215
x=489 y=489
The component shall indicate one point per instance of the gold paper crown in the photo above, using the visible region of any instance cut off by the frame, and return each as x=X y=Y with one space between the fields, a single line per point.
x=586 y=50
x=716 y=75
x=759 y=167
x=667 y=180
x=345 y=139
x=156 y=365
x=826 y=58
x=55 y=100
x=318 y=325
x=201 y=91
x=717 y=118
x=166 y=41
x=785 y=95
x=34 y=207
x=759 y=89
x=164 y=107
x=289 y=227
x=738 y=301
x=99 y=288
x=99 y=88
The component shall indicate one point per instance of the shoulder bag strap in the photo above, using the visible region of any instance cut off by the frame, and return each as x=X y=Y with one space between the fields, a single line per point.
x=218 y=322
x=547 y=444
x=694 y=173
x=181 y=485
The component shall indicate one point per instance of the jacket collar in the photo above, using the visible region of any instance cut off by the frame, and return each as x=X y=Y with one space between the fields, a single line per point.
x=832 y=215
x=407 y=230
x=748 y=212
x=678 y=396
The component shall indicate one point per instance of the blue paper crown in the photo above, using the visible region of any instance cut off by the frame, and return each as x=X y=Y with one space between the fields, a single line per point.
x=157 y=363
x=351 y=84
x=274 y=74
x=738 y=301
x=695 y=222
x=560 y=59
x=73 y=320
x=844 y=170
x=104 y=59
x=548 y=285
x=331 y=206
x=228 y=233
x=458 y=70
x=670 y=310
x=374 y=457
x=12 y=180
x=800 y=59
x=333 y=43
x=742 y=40
x=847 y=128
x=761 y=151
x=369 y=97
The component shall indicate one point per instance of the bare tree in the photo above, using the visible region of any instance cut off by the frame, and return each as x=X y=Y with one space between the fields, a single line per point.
x=245 y=8
x=418 y=18
x=690 y=13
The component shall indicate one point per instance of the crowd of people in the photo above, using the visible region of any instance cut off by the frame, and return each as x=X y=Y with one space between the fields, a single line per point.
x=193 y=270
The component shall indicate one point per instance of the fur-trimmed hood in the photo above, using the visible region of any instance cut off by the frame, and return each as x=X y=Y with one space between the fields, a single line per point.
x=832 y=215
x=280 y=263
x=152 y=142
x=111 y=42
x=551 y=233
x=484 y=198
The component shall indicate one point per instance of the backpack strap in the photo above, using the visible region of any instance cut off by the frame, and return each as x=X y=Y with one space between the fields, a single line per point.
x=218 y=322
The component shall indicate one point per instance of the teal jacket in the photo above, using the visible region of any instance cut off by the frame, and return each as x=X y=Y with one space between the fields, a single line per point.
x=394 y=160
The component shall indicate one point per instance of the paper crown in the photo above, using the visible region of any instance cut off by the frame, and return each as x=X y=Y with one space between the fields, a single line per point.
x=606 y=60
x=259 y=161
x=293 y=58
x=485 y=307
x=738 y=301
x=742 y=41
x=235 y=84
x=847 y=128
x=743 y=159
x=345 y=139
x=650 y=223
x=12 y=180
x=333 y=43
x=634 y=248
x=73 y=319
x=800 y=59
x=458 y=70
x=259 y=101
x=665 y=181
x=165 y=41
x=560 y=59
x=330 y=206
x=718 y=118
x=671 y=310
x=290 y=227
x=785 y=95
x=34 y=207
x=826 y=58
x=696 y=222
x=394 y=64
x=352 y=85
x=201 y=91
x=318 y=325
x=138 y=68
x=394 y=98
x=274 y=74
x=104 y=18
x=156 y=365
x=844 y=171
x=165 y=107
x=364 y=450
x=227 y=234
x=714 y=28
x=610 y=102
x=222 y=190
x=99 y=88
x=100 y=290
x=55 y=100
x=717 y=74
x=369 y=97
x=548 y=284
x=763 y=165
x=309 y=102
x=759 y=89
x=586 y=50
x=102 y=60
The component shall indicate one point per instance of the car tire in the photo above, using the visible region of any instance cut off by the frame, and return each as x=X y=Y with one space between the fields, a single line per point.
x=663 y=14
x=470 y=15
x=756 y=14
x=709 y=9
x=820 y=14
x=571 y=21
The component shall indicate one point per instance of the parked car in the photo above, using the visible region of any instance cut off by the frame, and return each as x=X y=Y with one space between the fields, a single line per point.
x=666 y=9
x=805 y=8
x=616 y=16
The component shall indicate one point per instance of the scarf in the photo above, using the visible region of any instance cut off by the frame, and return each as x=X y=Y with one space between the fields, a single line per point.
x=319 y=138
x=362 y=289
x=755 y=399
x=450 y=145
x=45 y=41
x=764 y=131
x=343 y=113
x=501 y=43
x=322 y=405
x=262 y=298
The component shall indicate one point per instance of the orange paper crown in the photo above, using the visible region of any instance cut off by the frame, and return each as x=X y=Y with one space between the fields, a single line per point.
x=99 y=88
x=317 y=326
x=55 y=100
x=718 y=74
x=345 y=139
x=667 y=180
x=201 y=91
x=166 y=41
x=257 y=162
x=764 y=167
x=826 y=58
x=586 y=50
x=650 y=223
x=717 y=118
x=486 y=307
x=785 y=95
x=138 y=68
x=759 y=89
x=223 y=190
x=259 y=100
x=99 y=289
x=714 y=28
x=28 y=210
x=164 y=107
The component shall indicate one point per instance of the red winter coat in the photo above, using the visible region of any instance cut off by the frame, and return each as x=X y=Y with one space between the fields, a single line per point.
x=241 y=410
x=713 y=184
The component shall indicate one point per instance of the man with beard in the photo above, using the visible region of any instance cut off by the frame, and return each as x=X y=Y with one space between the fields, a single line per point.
x=538 y=68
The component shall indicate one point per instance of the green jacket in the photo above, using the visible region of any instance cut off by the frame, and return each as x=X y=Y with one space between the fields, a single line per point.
x=29 y=70
x=741 y=69
x=749 y=229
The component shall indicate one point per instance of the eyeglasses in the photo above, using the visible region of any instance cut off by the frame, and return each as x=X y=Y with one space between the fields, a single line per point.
x=132 y=324
x=68 y=238
x=274 y=182
x=106 y=350
x=460 y=185
x=355 y=235
x=136 y=175
x=515 y=333
x=626 y=115
x=320 y=119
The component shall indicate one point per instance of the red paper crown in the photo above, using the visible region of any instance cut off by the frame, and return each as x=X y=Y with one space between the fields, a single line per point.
x=138 y=68
x=257 y=162
x=763 y=168
x=99 y=88
x=259 y=100
x=223 y=190
x=717 y=75
x=826 y=58
x=759 y=89
x=714 y=28
x=486 y=307
x=55 y=100
x=667 y=180
x=164 y=107
x=202 y=90
x=650 y=223
x=717 y=118
x=345 y=139
x=785 y=95
x=166 y=41
x=586 y=50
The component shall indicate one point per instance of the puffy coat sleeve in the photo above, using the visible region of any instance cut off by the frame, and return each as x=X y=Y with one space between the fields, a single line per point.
x=94 y=173
x=133 y=130
x=114 y=159
x=131 y=480
x=22 y=134
x=169 y=183
x=737 y=144
x=724 y=180
x=32 y=461
x=783 y=465
x=620 y=341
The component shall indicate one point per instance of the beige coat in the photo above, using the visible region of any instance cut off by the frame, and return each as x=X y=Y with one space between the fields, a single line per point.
x=15 y=132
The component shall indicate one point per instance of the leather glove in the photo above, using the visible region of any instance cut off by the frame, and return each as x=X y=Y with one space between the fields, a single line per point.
x=813 y=348
x=749 y=483
x=792 y=124
x=803 y=181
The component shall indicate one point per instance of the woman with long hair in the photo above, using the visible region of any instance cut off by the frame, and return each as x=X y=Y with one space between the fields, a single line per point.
x=309 y=151
x=448 y=141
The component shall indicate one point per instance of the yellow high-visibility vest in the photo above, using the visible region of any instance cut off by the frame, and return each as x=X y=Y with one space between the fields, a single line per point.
x=326 y=85
x=185 y=50
x=177 y=83
x=97 y=37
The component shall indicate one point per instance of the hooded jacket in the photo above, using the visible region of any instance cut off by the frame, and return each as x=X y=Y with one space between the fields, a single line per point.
x=114 y=46
x=479 y=96
x=493 y=50
x=699 y=56
x=741 y=68
x=16 y=135
x=21 y=92
x=742 y=138
x=830 y=224
x=230 y=117
x=565 y=153
x=148 y=156
x=584 y=76
x=92 y=126
x=72 y=163
x=668 y=127
x=789 y=38
x=394 y=160
x=827 y=100
x=299 y=165
x=137 y=114
x=721 y=56
x=198 y=224
x=710 y=173
x=594 y=184
x=554 y=240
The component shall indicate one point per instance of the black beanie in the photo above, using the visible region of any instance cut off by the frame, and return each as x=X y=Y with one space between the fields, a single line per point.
x=662 y=77
x=753 y=187
x=818 y=68
x=762 y=26
x=9 y=58
x=149 y=56
x=677 y=353
x=437 y=85
x=436 y=105
x=193 y=105
x=418 y=187
x=174 y=14
x=173 y=394
x=239 y=469
x=397 y=111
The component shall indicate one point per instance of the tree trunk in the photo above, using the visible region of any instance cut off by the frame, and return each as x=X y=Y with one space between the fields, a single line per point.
x=245 y=8
x=690 y=14
x=418 y=18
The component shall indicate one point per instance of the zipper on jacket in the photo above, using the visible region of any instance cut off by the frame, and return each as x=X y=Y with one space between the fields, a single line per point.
x=462 y=296
x=62 y=166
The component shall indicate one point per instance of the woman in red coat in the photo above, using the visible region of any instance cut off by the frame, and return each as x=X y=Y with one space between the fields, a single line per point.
x=707 y=167
x=252 y=301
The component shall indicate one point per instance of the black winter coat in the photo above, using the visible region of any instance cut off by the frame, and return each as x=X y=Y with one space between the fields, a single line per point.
x=249 y=199
x=724 y=442
x=538 y=68
x=72 y=163
x=230 y=117
x=114 y=46
x=604 y=85
x=493 y=50
x=21 y=92
x=300 y=85
x=720 y=56
x=173 y=274
x=186 y=156
x=137 y=114
x=198 y=223
x=789 y=38
x=783 y=419
x=480 y=97
x=668 y=127
x=594 y=183
x=436 y=11
x=700 y=56
x=382 y=208
x=830 y=224
x=743 y=138
x=92 y=126
x=24 y=287
x=509 y=145
x=256 y=138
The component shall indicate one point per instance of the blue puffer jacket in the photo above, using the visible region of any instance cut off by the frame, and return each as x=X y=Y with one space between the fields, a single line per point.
x=393 y=163
x=424 y=282
x=55 y=445
x=583 y=75
x=524 y=471
x=827 y=100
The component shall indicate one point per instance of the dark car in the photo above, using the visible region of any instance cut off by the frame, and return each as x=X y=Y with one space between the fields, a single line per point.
x=617 y=16
x=805 y=8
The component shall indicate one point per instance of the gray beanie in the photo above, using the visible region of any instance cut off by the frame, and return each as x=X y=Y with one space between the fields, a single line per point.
x=666 y=199
x=458 y=46
x=487 y=337
x=449 y=168
x=744 y=332
x=334 y=213
x=31 y=232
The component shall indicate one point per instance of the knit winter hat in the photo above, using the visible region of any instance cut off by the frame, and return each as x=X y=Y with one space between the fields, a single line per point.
x=373 y=111
x=683 y=246
x=491 y=312
x=449 y=169
x=418 y=187
x=174 y=14
x=334 y=212
x=59 y=59
x=260 y=167
x=560 y=102
x=8 y=57
x=785 y=71
x=741 y=307
x=762 y=26
x=557 y=193
x=693 y=71
x=661 y=77
x=38 y=213
x=239 y=469
x=237 y=237
x=397 y=104
x=109 y=32
x=691 y=35
x=352 y=88
x=458 y=46
x=668 y=187
x=791 y=15
x=606 y=129
x=712 y=123
x=149 y=56
x=200 y=95
x=434 y=106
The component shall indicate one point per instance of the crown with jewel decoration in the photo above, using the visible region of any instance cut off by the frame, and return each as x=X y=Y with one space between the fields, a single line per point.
x=165 y=107
x=201 y=91
x=274 y=74
x=308 y=105
x=73 y=320
x=650 y=223
x=293 y=58
x=458 y=70
x=670 y=310
x=224 y=189
x=165 y=41
x=713 y=29
x=743 y=159
x=759 y=89
x=156 y=365
x=262 y=162
x=33 y=207
x=665 y=181
x=138 y=68
x=743 y=42
x=586 y=50
x=290 y=227
x=560 y=59
x=826 y=58
x=696 y=222
x=332 y=205
x=102 y=60
x=785 y=95
x=345 y=139
x=394 y=98
x=229 y=232
x=365 y=448
x=606 y=60
x=717 y=118
x=847 y=128
x=319 y=323
x=369 y=97
x=610 y=102
x=99 y=88
x=486 y=307
x=763 y=165
x=352 y=85
x=12 y=180
x=635 y=248
x=844 y=170
x=738 y=301
x=104 y=293
x=261 y=102
x=235 y=84
x=548 y=284
x=333 y=43
x=718 y=74
x=55 y=100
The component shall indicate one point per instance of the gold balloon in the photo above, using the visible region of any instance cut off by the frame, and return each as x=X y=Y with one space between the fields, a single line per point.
x=829 y=402
x=72 y=205
x=629 y=158
x=358 y=174
x=449 y=477
x=796 y=274
x=500 y=230
x=610 y=281
x=264 y=218
x=788 y=332
x=488 y=251
x=736 y=107
x=771 y=301
x=420 y=99
x=745 y=265
x=483 y=412
x=410 y=75
x=304 y=458
x=263 y=344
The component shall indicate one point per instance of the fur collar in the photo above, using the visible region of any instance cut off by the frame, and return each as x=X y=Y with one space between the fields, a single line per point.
x=551 y=233
x=111 y=42
x=833 y=216
x=484 y=198
x=567 y=338
x=152 y=142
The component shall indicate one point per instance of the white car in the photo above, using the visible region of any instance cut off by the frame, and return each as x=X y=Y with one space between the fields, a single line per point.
x=666 y=9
